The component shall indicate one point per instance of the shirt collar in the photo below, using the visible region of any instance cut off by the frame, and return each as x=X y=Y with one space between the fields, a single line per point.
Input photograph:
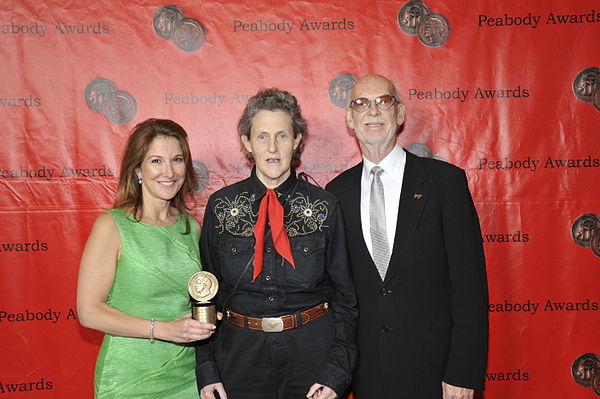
x=392 y=163
x=284 y=188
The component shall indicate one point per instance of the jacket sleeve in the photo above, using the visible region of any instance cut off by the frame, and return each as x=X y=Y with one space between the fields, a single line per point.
x=338 y=371
x=467 y=356
x=206 y=366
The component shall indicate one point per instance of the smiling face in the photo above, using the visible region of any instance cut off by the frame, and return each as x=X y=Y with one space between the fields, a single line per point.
x=272 y=144
x=375 y=128
x=162 y=170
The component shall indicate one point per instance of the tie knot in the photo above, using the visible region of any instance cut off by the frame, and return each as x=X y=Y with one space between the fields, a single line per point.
x=271 y=194
x=376 y=171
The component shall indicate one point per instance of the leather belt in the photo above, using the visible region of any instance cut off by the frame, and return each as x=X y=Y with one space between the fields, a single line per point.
x=280 y=323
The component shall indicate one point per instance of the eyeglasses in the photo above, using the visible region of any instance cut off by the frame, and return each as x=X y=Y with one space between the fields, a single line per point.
x=383 y=102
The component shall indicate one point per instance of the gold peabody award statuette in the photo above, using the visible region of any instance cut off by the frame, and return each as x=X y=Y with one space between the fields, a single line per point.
x=203 y=286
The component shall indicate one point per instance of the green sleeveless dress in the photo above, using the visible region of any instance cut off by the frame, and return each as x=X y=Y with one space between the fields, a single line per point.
x=151 y=279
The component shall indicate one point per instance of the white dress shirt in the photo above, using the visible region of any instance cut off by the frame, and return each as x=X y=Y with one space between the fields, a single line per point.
x=393 y=173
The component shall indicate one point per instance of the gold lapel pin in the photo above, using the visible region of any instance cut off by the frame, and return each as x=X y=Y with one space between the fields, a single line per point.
x=418 y=196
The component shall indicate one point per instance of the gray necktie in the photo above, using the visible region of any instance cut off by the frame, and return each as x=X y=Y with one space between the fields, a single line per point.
x=381 y=248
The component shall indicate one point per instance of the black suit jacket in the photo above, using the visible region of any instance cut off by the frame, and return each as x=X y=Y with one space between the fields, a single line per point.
x=427 y=322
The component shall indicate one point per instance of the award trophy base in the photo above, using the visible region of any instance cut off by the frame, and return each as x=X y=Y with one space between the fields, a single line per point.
x=204 y=311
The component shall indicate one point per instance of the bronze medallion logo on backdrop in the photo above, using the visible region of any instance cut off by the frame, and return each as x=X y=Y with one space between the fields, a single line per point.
x=596 y=384
x=410 y=14
x=595 y=243
x=202 y=287
x=415 y=18
x=586 y=86
x=433 y=30
x=586 y=371
x=596 y=99
x=165 y=19
x=121 y=108
x=102 y=96
x=171 y=23
x=339 y=89
x=586 y=232
x=203 y=176
x=97 y=94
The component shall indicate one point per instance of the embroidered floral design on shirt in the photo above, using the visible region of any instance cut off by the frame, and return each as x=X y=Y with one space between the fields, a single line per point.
x=236 y=216
x=305 y=217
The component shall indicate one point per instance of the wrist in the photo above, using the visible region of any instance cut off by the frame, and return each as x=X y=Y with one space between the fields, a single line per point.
x=151 y=331
x=161 y=330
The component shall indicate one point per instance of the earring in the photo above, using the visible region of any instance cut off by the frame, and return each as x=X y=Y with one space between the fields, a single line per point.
x=139 y=180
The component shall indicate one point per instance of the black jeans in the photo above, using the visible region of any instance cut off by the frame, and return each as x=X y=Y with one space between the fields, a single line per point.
x=273 y=365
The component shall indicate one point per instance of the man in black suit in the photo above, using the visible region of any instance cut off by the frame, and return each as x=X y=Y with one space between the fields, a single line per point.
x=417 y=260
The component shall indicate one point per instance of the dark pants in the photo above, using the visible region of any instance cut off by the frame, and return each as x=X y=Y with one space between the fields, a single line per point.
x=276 y=365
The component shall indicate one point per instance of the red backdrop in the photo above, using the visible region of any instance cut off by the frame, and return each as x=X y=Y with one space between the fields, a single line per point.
x=507 y=91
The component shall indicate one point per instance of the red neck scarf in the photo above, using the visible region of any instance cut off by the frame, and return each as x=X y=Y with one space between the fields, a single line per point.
x=270 y=206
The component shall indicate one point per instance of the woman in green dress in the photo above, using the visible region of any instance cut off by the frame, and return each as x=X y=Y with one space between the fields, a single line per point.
x=135 y=268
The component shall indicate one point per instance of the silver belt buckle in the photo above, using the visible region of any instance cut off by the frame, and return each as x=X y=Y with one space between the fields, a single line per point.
x=272 y=324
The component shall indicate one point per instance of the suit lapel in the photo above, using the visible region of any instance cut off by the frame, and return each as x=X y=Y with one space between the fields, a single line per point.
x=352 y=219
x=412 y=202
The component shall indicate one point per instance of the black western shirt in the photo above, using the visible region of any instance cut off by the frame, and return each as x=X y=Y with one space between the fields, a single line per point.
x=314 y=224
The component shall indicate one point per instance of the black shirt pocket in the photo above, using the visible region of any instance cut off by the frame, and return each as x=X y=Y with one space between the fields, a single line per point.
x=310 y=257
x=234 y=255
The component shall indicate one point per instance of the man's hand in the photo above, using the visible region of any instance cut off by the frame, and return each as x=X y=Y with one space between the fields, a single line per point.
x=319 y=391
x=452 y=392
x=208 y=392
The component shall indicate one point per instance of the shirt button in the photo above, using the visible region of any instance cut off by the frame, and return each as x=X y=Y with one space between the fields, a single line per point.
x=271 y=299
x=385 y=329
x=268 y=278
x=268 y=250
x=233 y=250
x=305 y=249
